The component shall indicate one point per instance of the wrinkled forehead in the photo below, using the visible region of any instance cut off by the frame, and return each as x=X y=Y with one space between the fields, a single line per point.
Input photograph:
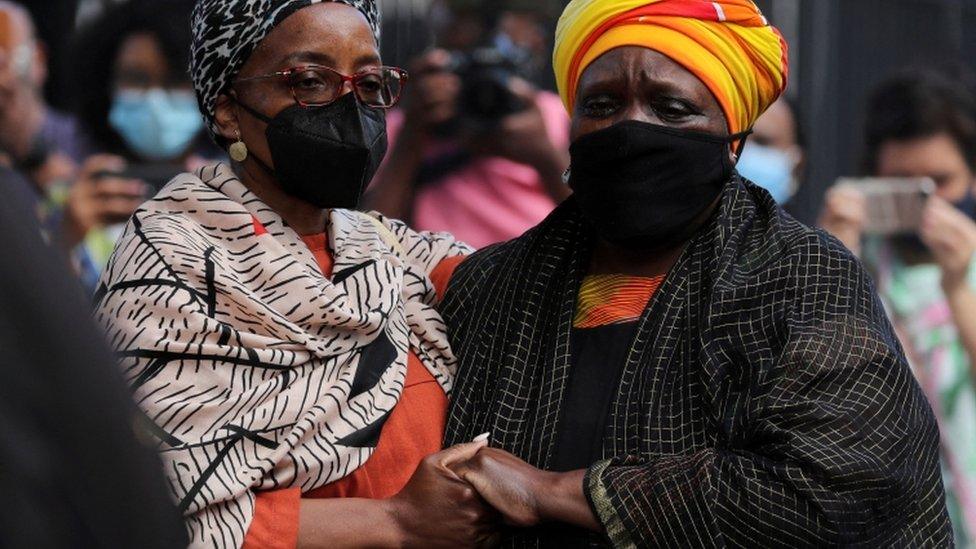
x=639 y=66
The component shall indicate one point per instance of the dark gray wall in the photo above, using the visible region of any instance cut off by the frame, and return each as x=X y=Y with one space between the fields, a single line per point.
x=405 y=30
x=844 y=48
x=54 y=20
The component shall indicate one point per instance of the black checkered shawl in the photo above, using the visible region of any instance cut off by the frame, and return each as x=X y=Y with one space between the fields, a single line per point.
x=766 y=401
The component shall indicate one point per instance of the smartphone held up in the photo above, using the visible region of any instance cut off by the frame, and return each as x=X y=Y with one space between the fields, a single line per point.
x=895 y=206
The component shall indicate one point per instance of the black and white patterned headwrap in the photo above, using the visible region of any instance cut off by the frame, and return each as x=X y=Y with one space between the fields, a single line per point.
x=225 y=32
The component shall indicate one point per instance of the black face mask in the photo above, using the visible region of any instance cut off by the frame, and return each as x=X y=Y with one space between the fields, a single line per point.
x=642 y=185
x=326 y=155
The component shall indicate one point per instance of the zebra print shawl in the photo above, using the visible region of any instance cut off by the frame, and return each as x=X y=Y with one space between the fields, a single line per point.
x=255 y=372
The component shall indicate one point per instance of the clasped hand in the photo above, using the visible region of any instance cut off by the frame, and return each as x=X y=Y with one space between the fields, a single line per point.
x=465 y=495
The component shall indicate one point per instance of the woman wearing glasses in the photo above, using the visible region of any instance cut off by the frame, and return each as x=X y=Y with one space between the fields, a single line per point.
x=284 y=348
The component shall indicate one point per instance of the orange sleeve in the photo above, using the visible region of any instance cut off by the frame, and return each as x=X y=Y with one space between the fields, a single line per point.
x=442 y=273
x=275 y=523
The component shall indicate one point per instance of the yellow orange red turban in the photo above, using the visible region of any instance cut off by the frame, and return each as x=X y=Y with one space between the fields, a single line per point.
x=728 y=44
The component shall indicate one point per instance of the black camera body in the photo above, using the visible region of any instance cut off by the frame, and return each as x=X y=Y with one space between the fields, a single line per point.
x=154 y=175
x=486 y=97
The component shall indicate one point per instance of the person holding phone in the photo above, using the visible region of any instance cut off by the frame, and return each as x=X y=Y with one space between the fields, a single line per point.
x=284 y=346
x=923 y=124
x=670 y=359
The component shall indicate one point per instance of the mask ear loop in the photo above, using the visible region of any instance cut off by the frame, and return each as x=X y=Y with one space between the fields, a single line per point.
x=254 y=112
x=741 y=137
x=250 y=110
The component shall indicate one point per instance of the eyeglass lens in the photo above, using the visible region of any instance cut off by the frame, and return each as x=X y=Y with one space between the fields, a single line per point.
x=317 y=86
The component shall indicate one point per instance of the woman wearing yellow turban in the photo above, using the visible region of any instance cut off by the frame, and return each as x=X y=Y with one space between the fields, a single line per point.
x=669 y=359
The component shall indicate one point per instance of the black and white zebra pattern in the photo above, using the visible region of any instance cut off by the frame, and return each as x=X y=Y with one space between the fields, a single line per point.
x=254 y=371
x=225 y=32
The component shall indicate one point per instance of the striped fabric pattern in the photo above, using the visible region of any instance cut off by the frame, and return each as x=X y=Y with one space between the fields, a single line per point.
x=253 y=370
x=613 y=299
x=765 y=401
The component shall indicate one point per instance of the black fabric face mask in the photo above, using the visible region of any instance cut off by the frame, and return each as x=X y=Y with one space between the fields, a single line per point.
x=643 y=185
x=326 y=155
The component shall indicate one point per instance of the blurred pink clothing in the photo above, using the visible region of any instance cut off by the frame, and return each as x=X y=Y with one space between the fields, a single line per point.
x=490 y=199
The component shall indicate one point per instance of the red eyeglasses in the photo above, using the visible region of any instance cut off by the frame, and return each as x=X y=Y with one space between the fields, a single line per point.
x=317 y=86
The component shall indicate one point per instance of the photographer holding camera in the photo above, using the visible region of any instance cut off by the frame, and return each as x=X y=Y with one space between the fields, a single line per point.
x=476 y=150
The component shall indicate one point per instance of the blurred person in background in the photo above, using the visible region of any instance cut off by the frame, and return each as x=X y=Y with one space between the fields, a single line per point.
x=134 y=94
x=774 y=156
x=135 y=102
x=46 y=147
x=56 y=21
x=476 y=150
x=39 y=141
x=314 y=410
x=923 y=124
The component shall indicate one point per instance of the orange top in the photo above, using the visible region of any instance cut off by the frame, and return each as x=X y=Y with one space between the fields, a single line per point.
x=414 y=430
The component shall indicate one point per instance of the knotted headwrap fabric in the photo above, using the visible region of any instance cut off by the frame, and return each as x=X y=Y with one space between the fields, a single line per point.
x=729 y=45
x=225 y=33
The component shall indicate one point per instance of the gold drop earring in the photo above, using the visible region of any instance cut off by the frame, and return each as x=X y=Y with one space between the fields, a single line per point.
x=238 y=150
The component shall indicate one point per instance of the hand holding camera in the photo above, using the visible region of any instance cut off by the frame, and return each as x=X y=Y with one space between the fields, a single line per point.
x=100 y=198
x=907 y=210
x=477 y=99
x=521 y=136
x=951 y=236
x=845 y=215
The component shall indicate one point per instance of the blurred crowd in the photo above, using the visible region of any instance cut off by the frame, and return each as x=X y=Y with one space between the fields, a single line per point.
x=479 y=148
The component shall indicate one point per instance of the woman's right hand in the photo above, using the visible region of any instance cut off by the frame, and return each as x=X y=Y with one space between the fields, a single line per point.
x=439 y=509
x=844 y=215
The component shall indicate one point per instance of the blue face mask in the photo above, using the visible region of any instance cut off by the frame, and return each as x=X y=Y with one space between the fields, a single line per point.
x=156 y=124
x=771 y=169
